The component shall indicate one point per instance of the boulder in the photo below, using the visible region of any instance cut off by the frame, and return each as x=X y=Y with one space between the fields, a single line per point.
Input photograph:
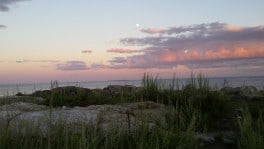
x=19 y=94
x=231 y=90
x=43 y=94
x=67 y=90
x=115 y=89
x=39 y=120
x=244 y=92
x=10 y=111
x=249 y=92
x=221 y=139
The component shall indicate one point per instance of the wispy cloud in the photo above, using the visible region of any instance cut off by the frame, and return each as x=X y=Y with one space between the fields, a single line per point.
x=72 y=65
x=2 y=26
x=37 y=61
x=19 y=61
x=118 y=60
x=4 y=4
x=231 y=63
x=152 y=30
x=97 y=66
x=120 y=50
x=86 y=51
x=201 y=45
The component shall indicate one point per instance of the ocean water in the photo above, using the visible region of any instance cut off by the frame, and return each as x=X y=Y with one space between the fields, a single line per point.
x=12 y=89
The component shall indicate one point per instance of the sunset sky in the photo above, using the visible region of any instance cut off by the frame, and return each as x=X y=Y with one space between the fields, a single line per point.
x=90 y=40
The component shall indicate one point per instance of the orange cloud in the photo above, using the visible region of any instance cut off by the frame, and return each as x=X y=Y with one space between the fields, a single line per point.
x=232 y=28
x=238 y=52
x=222 y=53
x=168 y=58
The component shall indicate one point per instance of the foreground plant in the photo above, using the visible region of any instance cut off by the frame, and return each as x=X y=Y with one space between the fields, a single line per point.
x=251 y=130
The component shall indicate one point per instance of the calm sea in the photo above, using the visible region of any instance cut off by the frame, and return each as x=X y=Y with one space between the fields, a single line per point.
x=12 y=89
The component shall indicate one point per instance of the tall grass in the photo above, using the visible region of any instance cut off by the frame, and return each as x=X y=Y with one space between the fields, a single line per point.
x=151 y=87
x=213 y=104
x=251 y=130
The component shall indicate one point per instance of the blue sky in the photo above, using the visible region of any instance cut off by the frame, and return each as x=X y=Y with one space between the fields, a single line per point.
x=45 y=39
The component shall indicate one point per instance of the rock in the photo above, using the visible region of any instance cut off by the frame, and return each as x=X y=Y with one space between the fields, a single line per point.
x=23 y=107
x=231 y=90
x=69 y=95
x=119 y=88
x=43 y=94
x=38 y=120
x=19 y=94
x=245 y=92
x=208 y=138
x=10 y=111
x=68 y=90
x=214 y=139
x=249 y=92
x=71 y=90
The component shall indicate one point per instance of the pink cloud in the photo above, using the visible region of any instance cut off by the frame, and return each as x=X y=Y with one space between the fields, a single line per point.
x=233 y=28
x=120 y=50
x=152 y=30
x=199 y=45
x=72 y=66
x=219 y=54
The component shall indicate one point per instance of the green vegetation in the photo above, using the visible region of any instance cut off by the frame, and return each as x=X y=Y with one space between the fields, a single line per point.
x=251 y=129
x=192 y=108
x=90 y=137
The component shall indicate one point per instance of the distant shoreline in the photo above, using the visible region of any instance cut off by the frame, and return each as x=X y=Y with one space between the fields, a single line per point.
x=27 y=88
x=83 y=81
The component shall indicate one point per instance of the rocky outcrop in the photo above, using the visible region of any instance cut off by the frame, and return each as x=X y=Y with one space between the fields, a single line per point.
x=249 y=92
x=244 y=92
x=11 y=111
x=20 y=118
x=115 y=89
x=73 y=90
x=68 y=90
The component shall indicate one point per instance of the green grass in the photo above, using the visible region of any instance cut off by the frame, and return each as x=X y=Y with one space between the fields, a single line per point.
x=214 y=105
x=251 y=130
